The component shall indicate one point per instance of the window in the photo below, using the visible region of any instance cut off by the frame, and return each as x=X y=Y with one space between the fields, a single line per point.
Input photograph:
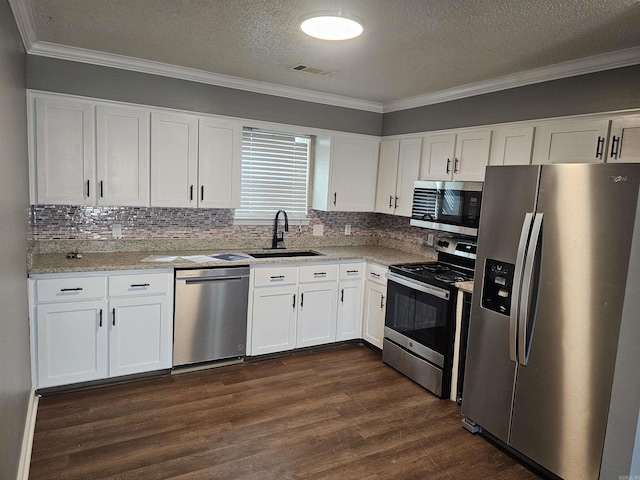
x=275 y=173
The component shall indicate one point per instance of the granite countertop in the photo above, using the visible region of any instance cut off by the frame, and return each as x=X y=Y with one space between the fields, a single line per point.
x=105 y=261
x=465 y=286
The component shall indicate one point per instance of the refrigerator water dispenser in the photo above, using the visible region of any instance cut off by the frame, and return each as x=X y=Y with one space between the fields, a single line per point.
x=497 y=286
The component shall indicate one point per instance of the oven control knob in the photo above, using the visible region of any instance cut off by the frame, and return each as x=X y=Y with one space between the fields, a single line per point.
x=411 y=344
x=443 y=243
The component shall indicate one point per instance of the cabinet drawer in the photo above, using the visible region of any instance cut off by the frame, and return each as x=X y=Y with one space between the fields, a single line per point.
x=70 y=289
x=143 y=284
x=376 y=273
x=351 y=271
x=264 y=277
x=325 y=272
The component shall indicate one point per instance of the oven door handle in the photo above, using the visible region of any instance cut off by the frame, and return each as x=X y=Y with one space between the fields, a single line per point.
x=421 y=287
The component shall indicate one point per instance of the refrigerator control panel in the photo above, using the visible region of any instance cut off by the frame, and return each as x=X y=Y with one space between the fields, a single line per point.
x=497 y=286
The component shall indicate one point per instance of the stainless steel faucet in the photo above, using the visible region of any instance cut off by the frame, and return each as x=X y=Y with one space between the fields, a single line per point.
x=278 y=242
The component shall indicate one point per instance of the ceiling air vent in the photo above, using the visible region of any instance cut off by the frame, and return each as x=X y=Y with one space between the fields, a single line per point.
x=312 y=70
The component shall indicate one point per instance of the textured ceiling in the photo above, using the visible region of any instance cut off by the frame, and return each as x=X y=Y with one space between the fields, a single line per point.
x=409 y=48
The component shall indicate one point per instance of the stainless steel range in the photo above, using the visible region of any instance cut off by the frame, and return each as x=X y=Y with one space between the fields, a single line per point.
x=420 y=316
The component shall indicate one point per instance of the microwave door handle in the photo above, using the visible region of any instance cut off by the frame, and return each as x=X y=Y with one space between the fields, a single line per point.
x=517 y=283
x=525 y=300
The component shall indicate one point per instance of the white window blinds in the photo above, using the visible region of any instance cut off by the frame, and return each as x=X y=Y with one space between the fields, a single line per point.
x=275 y=168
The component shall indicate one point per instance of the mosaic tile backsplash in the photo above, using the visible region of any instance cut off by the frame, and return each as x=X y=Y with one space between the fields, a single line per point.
x=67 y=222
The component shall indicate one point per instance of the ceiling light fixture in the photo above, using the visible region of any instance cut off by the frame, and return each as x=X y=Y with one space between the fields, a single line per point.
x=331 y=25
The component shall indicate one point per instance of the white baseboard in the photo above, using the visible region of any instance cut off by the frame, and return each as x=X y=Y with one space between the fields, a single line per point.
x=27 y=438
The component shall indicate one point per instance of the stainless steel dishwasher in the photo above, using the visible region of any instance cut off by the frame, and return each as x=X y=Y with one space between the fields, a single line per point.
x=210 y=314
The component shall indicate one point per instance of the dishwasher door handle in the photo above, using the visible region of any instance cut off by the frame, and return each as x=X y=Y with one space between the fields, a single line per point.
x=210 y=279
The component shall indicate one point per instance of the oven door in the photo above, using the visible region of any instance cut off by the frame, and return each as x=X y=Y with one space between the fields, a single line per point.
x=417 y=318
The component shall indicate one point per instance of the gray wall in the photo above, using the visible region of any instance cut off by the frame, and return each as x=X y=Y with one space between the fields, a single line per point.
x=596 y=92
x=63 y=76
x=15 y=376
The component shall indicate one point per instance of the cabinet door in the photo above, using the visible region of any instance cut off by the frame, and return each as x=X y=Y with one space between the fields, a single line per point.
x=317 y=314
x=374 y=313
x=349 y=322
x=140 y=334
x=354 y=167
x=625 y=140
x=408 y=172
x=64 y=154
x=219 y=164
x=71 y=342
x=387 y=175
x=274 y=320
x=512 y=146
x=122 y=143
x=174 y=160
x=571 y=142
x=472 y=156
x=437 y=154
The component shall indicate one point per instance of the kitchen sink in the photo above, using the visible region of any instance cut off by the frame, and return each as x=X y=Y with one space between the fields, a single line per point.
x=285 y=254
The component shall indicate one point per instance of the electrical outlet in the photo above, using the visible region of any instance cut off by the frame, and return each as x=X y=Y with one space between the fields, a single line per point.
x=430 y=239
x=347 y=229
x=116 y=230
x=318 y=230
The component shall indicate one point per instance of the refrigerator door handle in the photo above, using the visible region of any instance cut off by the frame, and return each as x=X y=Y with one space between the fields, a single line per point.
x=523 y=314
x=517 y=283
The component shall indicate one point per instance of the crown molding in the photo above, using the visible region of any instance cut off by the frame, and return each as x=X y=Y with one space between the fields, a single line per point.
x=24 y=20
x=596 y=63
x=157 y=68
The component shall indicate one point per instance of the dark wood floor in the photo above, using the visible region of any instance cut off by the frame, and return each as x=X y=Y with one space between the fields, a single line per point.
x=335 y=414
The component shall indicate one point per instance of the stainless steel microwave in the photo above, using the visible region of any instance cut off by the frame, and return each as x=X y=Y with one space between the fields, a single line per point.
x=447 y=206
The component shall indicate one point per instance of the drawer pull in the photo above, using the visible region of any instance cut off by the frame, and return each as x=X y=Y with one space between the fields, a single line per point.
x=277 y=277
x=320 y=274
x=77 y=289
x=139 y=285
x=349 y=272
x=374 y=274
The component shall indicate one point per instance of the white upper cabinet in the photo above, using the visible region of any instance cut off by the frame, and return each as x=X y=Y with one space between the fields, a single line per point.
x=174 y=160
x=456 y=156
x=345 y=174
x=122 y=151
x=64 y=153
x=387 y=176
x=512 y=146
x=579 y=141
x=195 y=162
x=398 y=169
x=219 y=163
x=624 y=145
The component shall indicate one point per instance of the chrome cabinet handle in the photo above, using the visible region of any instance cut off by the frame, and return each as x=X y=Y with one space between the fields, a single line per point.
x=615 y=146
x=600 y=147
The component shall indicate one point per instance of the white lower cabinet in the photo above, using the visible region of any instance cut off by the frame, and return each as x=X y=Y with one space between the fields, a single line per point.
x=349 y=316
x=302 y=306
x=97 y=326
x=273 y=320
x=375 y=296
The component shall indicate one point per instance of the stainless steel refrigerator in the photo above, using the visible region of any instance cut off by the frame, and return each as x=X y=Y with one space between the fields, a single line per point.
x=553 y=369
